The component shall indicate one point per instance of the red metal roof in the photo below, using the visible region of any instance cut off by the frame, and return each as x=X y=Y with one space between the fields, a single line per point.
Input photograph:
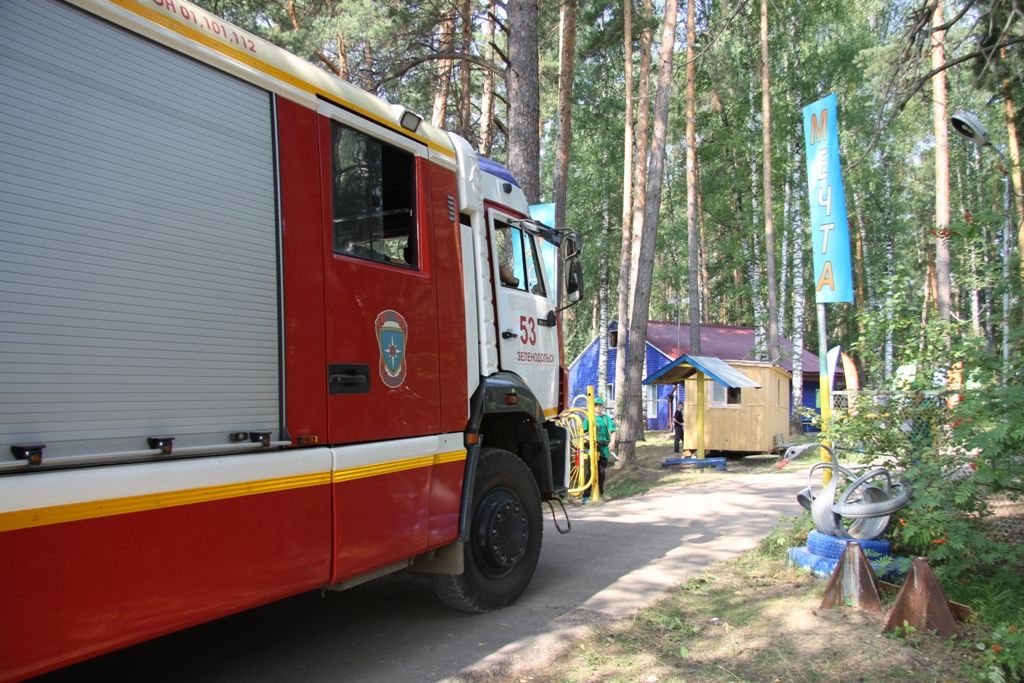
x=722 y=341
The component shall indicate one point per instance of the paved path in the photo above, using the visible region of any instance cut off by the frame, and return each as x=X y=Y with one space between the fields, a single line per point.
x=620 y=556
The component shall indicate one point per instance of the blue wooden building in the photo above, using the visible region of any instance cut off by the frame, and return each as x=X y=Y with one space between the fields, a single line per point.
x=667 y=341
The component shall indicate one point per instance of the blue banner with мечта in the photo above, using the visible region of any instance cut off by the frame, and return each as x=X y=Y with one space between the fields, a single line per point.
x=830 y=232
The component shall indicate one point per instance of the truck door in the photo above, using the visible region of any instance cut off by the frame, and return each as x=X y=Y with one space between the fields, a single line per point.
x=381 y=306
x=526 y=309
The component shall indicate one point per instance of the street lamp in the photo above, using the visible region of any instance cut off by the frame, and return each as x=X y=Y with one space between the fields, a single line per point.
x=967 y=124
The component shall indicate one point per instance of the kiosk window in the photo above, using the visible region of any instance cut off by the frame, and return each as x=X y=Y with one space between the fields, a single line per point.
x=374 y=198
x=725 y=396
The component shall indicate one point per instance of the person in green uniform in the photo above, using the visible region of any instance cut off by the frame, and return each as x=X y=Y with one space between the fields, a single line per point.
x=604 y=425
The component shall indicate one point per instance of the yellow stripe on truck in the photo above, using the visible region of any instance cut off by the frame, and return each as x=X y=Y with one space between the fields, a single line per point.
x=378 y=469
x=72 y=512
x=58 y=514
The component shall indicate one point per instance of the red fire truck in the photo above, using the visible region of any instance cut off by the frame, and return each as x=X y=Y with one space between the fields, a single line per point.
x=260 y=333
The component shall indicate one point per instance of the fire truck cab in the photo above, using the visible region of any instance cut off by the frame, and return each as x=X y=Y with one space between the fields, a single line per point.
x=260 y=333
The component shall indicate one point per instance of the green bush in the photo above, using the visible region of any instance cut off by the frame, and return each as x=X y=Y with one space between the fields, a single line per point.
x=956 y=451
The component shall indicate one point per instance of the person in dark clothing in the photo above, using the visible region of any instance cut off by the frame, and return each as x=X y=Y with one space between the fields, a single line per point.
x=677 y=427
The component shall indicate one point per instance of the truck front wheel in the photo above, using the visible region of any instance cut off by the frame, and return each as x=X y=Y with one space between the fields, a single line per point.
x=501 y=552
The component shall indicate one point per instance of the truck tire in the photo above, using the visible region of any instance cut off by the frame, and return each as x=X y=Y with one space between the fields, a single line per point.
x=505 y=532
x=832 y=547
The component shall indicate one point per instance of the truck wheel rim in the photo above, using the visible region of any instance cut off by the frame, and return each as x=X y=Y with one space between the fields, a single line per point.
x=501 y=532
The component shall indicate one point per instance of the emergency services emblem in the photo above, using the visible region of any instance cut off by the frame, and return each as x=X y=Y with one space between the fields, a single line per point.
x=391 y=338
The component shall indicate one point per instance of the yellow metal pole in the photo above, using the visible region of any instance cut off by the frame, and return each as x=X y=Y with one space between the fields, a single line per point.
x=595 y=494
x=824 y=393
x=700 y=415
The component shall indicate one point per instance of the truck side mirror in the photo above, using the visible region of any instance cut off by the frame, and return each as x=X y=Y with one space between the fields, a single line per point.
x=573 y=284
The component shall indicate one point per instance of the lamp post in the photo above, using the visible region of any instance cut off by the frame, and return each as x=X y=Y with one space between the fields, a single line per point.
x=968 y=125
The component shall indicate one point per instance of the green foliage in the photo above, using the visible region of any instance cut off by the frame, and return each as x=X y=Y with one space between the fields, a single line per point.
x=1003 y=653
x=956 y=450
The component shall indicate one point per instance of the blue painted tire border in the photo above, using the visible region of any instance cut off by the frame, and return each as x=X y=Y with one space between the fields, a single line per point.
x=832 y=547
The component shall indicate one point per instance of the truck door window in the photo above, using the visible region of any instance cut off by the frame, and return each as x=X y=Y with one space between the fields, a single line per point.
x=518 y=264
x=374 y=198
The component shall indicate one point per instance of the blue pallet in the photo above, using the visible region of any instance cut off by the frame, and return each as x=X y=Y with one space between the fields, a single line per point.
x=885 y=568
x=717 y=463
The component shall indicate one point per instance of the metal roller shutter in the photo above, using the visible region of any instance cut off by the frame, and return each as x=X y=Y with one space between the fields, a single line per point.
x=138 y=241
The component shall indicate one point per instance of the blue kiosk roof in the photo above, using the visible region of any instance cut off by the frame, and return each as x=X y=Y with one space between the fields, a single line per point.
x=686 y=366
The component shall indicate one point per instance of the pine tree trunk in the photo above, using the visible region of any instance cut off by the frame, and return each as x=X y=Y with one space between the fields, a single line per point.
x=566 y=52
x=465 y=70
x=366 y=80
x=705 y=293
x=625 y=250
x=1015 y=170
x=754 y=266
x=939 y=119
x=342 y=47
x=640 y=163
x=487 y=97
x=523 y=88
x=445 y=38
x=692 y=241
x=631 y=421
x=774 y=353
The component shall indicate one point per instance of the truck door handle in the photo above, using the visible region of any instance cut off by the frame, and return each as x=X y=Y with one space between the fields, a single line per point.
x=348 y=378
x=508 y=334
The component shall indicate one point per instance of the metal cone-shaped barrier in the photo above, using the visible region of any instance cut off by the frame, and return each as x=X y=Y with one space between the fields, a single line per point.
x=921 y=603
x=853 y=582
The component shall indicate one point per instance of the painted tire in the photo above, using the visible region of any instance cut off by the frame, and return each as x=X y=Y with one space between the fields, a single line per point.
x=501 y=553
x=832 y=547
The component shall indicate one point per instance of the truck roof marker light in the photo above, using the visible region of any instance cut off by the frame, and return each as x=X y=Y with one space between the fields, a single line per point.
x=410 y=121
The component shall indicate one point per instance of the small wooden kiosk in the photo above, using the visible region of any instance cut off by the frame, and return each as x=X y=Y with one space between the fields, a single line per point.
x=734 y=406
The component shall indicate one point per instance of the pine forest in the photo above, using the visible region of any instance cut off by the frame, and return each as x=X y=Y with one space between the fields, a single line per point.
x=671 y=137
